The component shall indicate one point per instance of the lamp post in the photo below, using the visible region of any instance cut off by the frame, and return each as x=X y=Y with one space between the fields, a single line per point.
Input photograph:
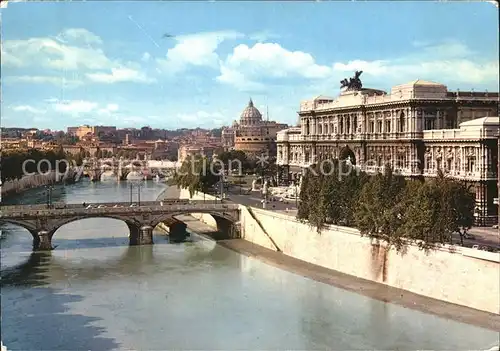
x=131 y=193
x=137 y=184
x=296 y=195
x=49 y=195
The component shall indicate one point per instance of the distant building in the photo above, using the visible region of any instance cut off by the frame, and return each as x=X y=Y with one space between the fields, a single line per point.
x=186 y=151
x=251 y=134
x=90 y=131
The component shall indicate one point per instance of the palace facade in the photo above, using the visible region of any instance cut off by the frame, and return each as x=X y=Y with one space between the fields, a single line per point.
x=418 y=128
x=251 y=134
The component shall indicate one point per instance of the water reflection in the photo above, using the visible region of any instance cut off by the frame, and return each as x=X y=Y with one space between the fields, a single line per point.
x=95 y=292
x=44 y=314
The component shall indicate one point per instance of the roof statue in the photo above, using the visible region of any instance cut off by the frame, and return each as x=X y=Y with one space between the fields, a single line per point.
x=353 y=84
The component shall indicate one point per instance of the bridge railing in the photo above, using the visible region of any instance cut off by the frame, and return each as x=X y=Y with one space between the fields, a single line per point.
x=117 y=208
x=61 y=205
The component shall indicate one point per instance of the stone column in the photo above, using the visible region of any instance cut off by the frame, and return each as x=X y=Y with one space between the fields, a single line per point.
x=133 y=235
x=43 y=241
x=145 y=235
x=177 y=232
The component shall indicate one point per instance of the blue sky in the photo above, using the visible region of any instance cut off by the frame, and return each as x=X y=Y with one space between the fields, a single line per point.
x=72 y=63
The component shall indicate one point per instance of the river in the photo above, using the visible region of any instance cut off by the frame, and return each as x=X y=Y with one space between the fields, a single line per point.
x=94 y=292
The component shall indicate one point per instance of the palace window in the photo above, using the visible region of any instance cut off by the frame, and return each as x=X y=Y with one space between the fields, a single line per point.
x=372 y=127
x=470 y=164
x=429 y=124
x=448 y=164
x=348 y=125
x=402 y=122
x=387 y=126
x=379 y=127
x=341 y=125
x=320 y=129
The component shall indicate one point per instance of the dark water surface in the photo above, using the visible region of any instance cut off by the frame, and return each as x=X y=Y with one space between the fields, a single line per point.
x=93 y=292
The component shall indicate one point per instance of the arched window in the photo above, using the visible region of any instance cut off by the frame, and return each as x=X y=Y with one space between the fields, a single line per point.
x=307 y=127
x=402 y=122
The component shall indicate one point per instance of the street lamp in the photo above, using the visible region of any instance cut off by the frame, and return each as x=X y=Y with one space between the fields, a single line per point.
x=296 y=196
x=49 y=195
x=137 y=184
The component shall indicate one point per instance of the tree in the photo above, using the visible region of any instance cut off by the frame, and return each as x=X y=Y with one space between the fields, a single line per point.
x=234 y=158
x=457 y=206
x=98 y=153
x=380 y=208
x=305 y=198
x=196 y=173
x=421 y=219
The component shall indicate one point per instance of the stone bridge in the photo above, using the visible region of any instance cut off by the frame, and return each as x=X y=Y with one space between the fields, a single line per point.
x=43 y=221
x=121 y=167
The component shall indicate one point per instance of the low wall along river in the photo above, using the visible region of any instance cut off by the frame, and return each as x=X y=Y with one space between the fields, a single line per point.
x=465 y=277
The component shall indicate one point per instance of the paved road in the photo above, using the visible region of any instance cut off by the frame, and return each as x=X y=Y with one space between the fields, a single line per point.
x=483 y=236
x=254 y=199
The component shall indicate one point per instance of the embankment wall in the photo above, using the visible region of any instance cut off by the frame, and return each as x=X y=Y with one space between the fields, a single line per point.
x=462 y=276
x=27 y=182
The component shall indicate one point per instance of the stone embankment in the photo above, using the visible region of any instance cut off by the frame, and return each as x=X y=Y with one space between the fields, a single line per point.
x=27 y=182
x=457 y=275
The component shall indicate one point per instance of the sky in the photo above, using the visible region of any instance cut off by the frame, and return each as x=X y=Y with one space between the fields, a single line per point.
x=110 y=63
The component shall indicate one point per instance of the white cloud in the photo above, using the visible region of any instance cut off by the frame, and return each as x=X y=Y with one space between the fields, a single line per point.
x=27 y=108
x=50 y=53
x=263 y=36
x=74 y=106
x=196 y=50
x=270 y=60
x=236 y=78
x=146 y=56
x=121 y=74
x=79 y=35
x=71 y=50
x=247 y=68
x=447 y=62
x=108 y=109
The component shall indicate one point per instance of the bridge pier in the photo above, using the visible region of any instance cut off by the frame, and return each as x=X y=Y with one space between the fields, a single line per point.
x=140 y=235
x=145 y=235
x=226 y=229
x=42 y=241
x=177 y=232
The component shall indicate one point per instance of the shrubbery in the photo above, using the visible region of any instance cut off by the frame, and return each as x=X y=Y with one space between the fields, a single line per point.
x=12 y=162
x=386 y=206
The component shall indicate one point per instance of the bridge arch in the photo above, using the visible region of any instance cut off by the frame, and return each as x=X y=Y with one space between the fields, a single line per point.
x=225 y=222
x=21 y=224
x=59 y=224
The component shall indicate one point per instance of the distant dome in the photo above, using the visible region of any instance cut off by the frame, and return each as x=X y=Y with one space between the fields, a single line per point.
x=250 y=115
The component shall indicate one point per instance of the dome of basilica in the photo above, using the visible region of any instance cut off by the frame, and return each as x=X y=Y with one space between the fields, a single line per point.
x=250 y=115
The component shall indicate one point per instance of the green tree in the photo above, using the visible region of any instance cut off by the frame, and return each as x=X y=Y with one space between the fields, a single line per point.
x=380 y=208
x=196 y=173
x=457 y=207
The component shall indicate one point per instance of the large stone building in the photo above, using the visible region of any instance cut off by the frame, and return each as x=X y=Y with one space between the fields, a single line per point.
x=418 y=128
x=94 y=131
x=252 y=135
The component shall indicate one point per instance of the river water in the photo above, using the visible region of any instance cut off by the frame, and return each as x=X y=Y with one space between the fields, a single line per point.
x=93 y=292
